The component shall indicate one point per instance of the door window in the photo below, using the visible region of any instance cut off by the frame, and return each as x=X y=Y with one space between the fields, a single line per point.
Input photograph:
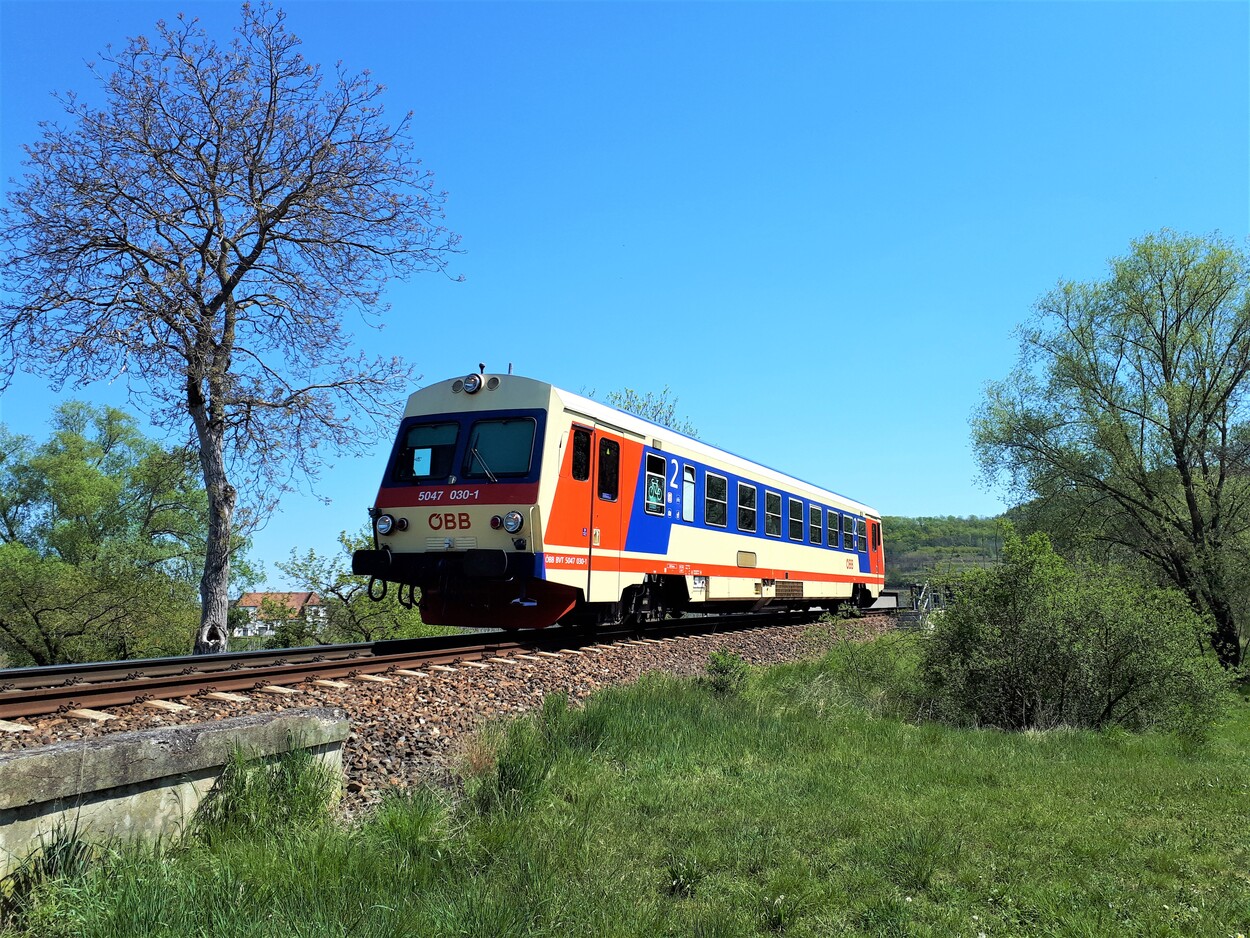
x=609 y=469
x=581 y=455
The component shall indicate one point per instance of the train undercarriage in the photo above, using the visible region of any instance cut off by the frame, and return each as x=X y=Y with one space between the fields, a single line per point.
x=498 y=589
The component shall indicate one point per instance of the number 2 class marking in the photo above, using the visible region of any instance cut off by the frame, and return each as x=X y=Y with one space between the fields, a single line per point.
x=672 y=483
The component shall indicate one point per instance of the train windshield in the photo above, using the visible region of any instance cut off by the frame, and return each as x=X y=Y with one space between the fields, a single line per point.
x=427 y=453
x=499 y=448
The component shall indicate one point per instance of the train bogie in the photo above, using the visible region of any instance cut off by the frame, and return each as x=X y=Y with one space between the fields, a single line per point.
x=509 y=502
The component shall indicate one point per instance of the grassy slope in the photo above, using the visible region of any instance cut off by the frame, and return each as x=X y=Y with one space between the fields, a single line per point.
x=663 y=809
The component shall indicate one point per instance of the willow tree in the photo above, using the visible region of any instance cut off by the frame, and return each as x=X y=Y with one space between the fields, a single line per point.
x=202 y=232
x=1131 y=400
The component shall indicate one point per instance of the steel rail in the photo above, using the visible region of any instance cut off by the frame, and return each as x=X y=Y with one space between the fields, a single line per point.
x=40 y=701
x=49 y=675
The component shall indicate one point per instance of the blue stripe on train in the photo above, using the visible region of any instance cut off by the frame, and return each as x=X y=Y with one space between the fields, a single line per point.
x=649 y=533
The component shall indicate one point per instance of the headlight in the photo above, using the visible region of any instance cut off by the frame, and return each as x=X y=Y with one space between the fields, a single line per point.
x=472 y=384
x=512 y=522
x=385 y=524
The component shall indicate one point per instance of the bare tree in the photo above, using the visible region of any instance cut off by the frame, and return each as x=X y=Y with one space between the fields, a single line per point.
x=203 y=233
x=659 y=408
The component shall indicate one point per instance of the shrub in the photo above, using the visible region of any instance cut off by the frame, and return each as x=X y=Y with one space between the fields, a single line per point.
x=726 y=673
x=1037 y=643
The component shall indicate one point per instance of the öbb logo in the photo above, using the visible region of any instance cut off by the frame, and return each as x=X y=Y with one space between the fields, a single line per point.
x=450 y=521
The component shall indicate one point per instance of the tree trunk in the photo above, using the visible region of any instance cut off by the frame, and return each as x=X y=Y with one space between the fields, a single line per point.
x=1224 y=637
x=214 y=636
x=1207 y=591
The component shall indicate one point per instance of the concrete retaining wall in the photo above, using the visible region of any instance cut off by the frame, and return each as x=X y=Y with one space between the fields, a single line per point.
x=144 y=784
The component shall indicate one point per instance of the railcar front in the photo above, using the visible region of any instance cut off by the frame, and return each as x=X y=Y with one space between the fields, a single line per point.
x=458 y=516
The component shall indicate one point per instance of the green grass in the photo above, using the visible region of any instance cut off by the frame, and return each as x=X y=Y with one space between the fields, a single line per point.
x=669 y=808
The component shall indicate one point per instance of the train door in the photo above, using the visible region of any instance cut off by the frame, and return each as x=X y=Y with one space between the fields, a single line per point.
x=581 y=472
x=876 y=551
x=604 y=581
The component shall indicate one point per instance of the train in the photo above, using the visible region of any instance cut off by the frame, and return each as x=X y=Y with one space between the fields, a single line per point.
x=508 y=502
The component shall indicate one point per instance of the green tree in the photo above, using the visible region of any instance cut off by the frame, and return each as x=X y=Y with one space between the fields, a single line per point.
x=1129 y=407
x=202 y=234
x=350 y=616
x=101 y=530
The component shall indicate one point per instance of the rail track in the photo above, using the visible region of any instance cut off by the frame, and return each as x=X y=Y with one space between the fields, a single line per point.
x=79 y=688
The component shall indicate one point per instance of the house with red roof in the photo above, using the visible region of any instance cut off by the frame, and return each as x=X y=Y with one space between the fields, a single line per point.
x=266 y=610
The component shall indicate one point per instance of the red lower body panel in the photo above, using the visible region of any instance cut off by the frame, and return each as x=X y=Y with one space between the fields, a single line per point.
x=505 y=605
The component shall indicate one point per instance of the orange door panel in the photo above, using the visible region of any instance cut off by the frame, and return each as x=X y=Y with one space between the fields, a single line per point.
x=605 y=526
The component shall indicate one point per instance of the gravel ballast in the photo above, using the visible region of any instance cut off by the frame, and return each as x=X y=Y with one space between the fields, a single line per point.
x=405 y=729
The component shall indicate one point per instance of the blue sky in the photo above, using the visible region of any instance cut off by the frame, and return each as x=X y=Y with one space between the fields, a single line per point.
x=818 y=223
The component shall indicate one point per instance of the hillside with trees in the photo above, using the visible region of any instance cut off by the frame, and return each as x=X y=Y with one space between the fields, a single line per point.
x=917 y=549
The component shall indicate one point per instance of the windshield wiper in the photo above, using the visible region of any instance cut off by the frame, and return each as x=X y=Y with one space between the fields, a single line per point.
x=478 y=456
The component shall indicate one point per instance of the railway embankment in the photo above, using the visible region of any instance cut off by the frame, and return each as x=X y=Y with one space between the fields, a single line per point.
x=788 y=802
x=139 y=771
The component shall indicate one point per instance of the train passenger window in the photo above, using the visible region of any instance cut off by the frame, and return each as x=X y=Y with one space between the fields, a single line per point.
x=427 y=452
x=655 y=484
x=848 y=532
x=861 y=534
x=772 y=514
x=687 y=493
x=581 y=455
x=746 y=507
x=609 y=469
x=813 y=524
x=796 y=520
x=716 y=500
x=499 y=448
x=831 y=527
